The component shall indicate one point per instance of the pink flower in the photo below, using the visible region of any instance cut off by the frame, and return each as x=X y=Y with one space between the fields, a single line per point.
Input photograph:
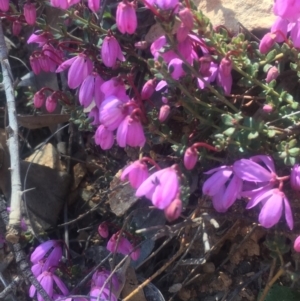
x=99 y=277
x=280 y=28
x=135 y=255
x=295 y=177
x=297 y=244
x=111 y=51
x=287 y=9
x=137 y=173
x=224 y=78
x=126 y=17
x=51 y=103
x=157 y=46
x=94 y=116
x=161 y=187
x=111 y=112
x=105 y=295
x=47 y=280
x=186 y=17
x=40 y=39
x=63 y=4
x=37 y=268
x=164 y=113
x=130 y=132
x=209 y=74
x=35 y=64
x=54 y=256
x=80 y=67
x=30 y=13
x=173 y=211
x=115 y=86
x=182 y=33
x=148 y=89
x=54 y=56
x=94 y=5
x=103 y=230
x=104 y=137
x=267 y=42
x=223 y=196
x=295 y=34
x=167 y=4
x=38 y=99
x=190 y=158
x=272 y=200
x=124 y=246
x=272 y=74
x=16 y=27
x=267 y=108
x=175 y=68
x=4 y=5
x=90 y=90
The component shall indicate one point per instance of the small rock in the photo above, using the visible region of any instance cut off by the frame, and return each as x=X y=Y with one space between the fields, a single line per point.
x=47 y=155
x=252 y=14
x=79 y=172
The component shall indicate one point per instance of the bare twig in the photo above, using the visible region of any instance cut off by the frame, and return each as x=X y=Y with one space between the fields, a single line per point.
x=13 y=144
x=10 y=287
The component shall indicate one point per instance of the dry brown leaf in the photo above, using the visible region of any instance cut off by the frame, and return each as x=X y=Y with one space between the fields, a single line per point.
x=79 y=172
x=40 y=121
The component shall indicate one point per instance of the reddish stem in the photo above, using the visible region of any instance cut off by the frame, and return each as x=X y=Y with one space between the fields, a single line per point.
x=205 y=145
x=150 y=161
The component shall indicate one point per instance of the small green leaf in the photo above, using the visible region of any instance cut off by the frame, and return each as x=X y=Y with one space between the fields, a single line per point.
x=253 y=135
x=295 y=151
x=271 y=133
x=293 y=66
x=227 y=119
x=289 y=161
x=292 y=143
x=271 y=55
x=229 y=132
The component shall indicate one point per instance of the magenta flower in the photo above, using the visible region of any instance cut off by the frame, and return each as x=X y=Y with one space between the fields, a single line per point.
x=209 y=75
x=267 y=108
x=35 y=64
x=182 y=33
x=224 y=78
x=47 y=281
x=111 y=112
x=37 y=268
x=105 y=295
x=136 y=172
x=280 y=28
x=115 y=86
x=267 y=42
x=55 y=56
x=250 y=170
x=99 y=277
x=16 y=27
x=63 y=4
x=287 y=9
x=124 y=246
x=94 y=5
x=94 y=116
x=111 y=51
x=39 y=99
x=272 y=206
x=190 y=158
x=161 y=187
x=30 y=13
x=297 y=244
x=126 y=18
x=295 y=177
x=40 y=39
x=130 y=132
x=164 y=113
x=90 y=90
x=173 y=211
x=272 y=74
x=51 y=103
x=156 y=48
x=4 y=5
x=103 y=230
x=51 y=248
x=80 y=67
x=148 y=89
x=167 y=4
x=104 y=137
x=186 y=17
x=295 y=34
x=223 y=196
x=175 y=68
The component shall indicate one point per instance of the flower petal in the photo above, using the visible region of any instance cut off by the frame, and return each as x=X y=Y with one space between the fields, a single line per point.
x=267 y=160
x=212 y=185
x=288 y=213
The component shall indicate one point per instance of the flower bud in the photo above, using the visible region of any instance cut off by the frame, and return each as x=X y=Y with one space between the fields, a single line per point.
x=267 y=42
x=141 y=45
x=51 y=103
x=35 y=64
x=272 y=74
x=38 y=99
x=148 y=89
x=94 y=5
x=126 y=18
x=4 y=5
x=173 y=211
x=267 y=108
x=16 y=27
x=297 y=244
x=164 y=113
x=135 y=255
x=186 y=18
x=30 y=13
x=190 y=158
x=103 y=230
x=295 y=177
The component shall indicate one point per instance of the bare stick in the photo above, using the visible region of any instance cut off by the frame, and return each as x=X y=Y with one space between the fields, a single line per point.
x=13 y=228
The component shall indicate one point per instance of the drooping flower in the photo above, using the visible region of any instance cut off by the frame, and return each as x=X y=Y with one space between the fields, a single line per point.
x=280 y=27
x=224 y=77
x=80 y=67
x=175 y=68
x=51 y=103
x=105 y=295
x=186 y=17
x=208 y=75
x=287 y=9
x=16 y=27
x=267 y=42
x=103 y=230
x=272 y=74
x=126 y=18
x=111 y=51
x=267 y=108
x=173 y=211
x=111 y=112
x=40 y=39
x=273 y=201
x=136 y=172
x=54 y=57
x=167 y=4
x=90 y=90
x=63 y=4
x=297 y=244
x=116 y=87
x=99 y=277
x=37 y=268
x=104 y=137
x=30 y=13
x=295 y=34
x=94 y=5
x=164 y=113
x=124 y=246
x=190 y=158
x=39 y=99
x=130 y=132
x=223 y=196
x=295 y=177
x=161 y=187
x=94 y=116
x=148 y=89
x=4 y=5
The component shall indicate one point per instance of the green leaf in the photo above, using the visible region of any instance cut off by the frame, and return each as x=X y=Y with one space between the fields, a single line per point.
x=292 y=143
x=267 y=67
x=229 y=132
x=227 y=119
x=289 y=161
x=253 y=135
x=293 y=66
x=282 y=293
x=271 y=55
x=271 y=133
x=295 y=151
